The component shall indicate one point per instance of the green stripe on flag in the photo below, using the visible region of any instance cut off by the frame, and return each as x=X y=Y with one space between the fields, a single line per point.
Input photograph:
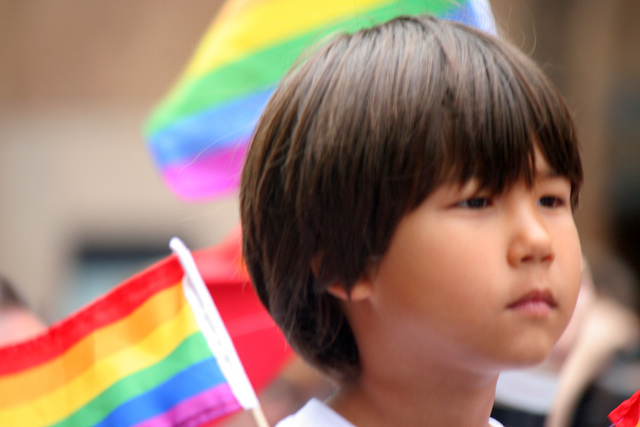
x=192 y=350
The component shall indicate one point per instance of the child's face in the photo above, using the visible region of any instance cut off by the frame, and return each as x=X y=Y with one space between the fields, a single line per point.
x=474 y=278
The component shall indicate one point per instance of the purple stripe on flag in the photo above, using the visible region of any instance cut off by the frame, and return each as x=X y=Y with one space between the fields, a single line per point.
x=216 y=173
x=208 y=405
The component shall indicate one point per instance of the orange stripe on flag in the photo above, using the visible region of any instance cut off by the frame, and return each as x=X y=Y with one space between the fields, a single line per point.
x=159 y=309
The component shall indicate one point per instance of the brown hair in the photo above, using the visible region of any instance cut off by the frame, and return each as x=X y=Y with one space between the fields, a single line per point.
x=358 y=135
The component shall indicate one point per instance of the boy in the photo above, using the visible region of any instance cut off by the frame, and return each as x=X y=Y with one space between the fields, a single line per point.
x=407 y=211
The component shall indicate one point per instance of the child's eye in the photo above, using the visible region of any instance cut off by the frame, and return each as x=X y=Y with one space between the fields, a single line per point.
x=475 y=203
x=551 y=202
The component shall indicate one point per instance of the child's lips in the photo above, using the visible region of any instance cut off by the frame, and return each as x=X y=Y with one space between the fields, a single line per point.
x=537 y=302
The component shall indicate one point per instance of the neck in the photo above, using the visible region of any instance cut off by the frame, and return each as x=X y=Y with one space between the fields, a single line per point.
x=438 y=397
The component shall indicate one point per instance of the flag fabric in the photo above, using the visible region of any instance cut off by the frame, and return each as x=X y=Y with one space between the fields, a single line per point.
x=153 y=352
x=198 y=134
x=628 y=413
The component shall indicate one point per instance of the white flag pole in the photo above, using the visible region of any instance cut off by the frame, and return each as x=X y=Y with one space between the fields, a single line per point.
x=213 y=328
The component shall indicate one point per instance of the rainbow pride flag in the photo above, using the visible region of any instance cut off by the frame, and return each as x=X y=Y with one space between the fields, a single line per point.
x=153 y=352
x=628 y=413
x=198 y=135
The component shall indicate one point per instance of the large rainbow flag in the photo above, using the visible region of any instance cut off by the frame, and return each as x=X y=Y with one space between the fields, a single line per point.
x=153 y=352
x=628 y=413
x=198 y=134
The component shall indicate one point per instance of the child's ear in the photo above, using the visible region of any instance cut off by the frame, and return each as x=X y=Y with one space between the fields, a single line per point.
x=360 y=291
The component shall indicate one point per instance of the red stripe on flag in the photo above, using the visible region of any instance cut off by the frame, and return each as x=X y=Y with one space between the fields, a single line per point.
x=116 y=305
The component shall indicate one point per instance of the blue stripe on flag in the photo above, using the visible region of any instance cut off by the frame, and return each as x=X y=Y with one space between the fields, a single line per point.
x=195 y=379
x=213 y=129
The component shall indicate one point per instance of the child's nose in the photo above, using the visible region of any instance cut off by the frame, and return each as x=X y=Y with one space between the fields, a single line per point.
x=530 y=239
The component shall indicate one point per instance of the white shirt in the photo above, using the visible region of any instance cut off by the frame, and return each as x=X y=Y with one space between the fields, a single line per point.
x=531 y=390
x=317 y=414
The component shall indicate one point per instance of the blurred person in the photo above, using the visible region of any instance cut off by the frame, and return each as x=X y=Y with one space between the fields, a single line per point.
x=604 y=368
x=17 y=321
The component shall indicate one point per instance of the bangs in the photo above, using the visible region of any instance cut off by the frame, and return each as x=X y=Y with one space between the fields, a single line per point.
x=495 y=108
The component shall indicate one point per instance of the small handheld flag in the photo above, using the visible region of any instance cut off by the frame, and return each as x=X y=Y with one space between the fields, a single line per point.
x=628 y=413
x=199 y=134
x=216 y=334
x=153 y=352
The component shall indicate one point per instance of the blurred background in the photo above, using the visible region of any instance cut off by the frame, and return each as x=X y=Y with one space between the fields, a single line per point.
x=82 y=205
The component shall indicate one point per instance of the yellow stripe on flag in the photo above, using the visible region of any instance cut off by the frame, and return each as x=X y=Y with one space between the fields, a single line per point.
x=111 y=339
x=246 y=27
x=64 y=401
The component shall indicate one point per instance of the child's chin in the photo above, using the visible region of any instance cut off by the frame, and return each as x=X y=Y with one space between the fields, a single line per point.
x=531 y=361
x=528 y=357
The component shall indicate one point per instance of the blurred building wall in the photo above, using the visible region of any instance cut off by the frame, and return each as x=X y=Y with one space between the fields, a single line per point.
x=77 y=82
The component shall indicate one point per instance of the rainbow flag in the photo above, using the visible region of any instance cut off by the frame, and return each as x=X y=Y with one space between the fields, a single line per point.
x=628 y=413
x=198 y=135
x=153 y=352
